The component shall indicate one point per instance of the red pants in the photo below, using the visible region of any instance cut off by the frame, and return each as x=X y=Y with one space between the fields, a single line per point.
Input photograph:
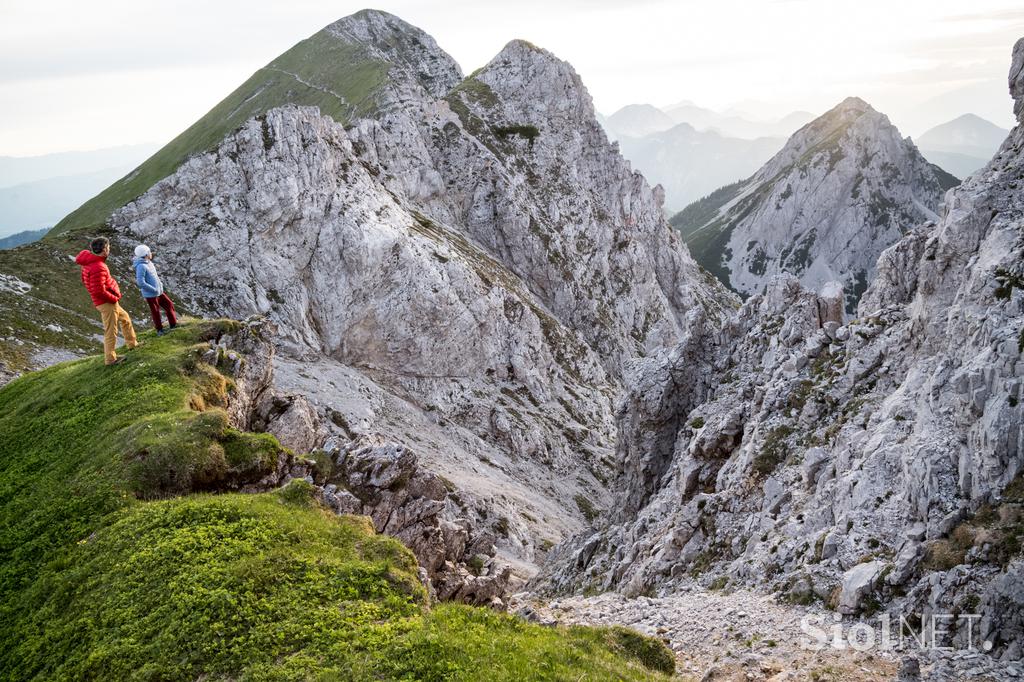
x=155 y=304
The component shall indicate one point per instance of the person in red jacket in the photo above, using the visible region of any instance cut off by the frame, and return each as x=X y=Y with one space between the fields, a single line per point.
x=105 y=293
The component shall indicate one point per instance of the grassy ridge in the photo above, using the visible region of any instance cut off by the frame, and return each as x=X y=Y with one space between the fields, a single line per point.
x=323 y=71
x=104 y=576
x=72 y=439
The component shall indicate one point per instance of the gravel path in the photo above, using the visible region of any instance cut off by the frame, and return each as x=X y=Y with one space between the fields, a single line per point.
x=743 y=635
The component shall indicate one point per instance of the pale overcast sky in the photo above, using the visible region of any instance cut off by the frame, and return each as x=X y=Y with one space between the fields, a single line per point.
x=85 y=75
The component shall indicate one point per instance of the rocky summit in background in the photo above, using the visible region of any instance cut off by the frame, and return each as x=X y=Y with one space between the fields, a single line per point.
x=844 y=188
x=868 y=465
x=637 y=120
x=963 y=145
x=459 y=276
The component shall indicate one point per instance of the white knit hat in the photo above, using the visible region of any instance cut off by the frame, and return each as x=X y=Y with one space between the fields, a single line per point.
x=141 y=251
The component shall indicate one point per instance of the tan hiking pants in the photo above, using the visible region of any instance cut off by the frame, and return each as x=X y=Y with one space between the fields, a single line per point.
x=114 y=315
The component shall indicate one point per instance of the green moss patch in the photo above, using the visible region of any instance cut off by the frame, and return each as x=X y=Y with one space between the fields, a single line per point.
x=774 y=450
x=527 y=132
x=586 y=508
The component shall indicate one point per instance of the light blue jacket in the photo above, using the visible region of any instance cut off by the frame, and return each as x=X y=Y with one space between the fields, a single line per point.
x=147 y=279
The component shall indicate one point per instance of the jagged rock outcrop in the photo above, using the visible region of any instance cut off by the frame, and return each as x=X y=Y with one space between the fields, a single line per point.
x=962 y=145
x=524 y=169
x=466 y=276
x=844 y=188
x=448 y=532
x=873 y=463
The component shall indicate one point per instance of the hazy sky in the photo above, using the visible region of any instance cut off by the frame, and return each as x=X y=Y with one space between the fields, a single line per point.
x=84 y=75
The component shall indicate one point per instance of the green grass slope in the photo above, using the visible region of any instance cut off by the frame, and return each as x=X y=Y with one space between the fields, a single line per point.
x=324 y=71
x=110 y=568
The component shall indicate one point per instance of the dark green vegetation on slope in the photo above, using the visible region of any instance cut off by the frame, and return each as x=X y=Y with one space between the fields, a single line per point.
x=324 y=71
x=706 y=233
x=700 y=212
x=104 y=577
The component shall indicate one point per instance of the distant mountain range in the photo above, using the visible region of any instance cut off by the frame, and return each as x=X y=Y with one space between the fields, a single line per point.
x=636 y=120
x=731 y=125
x=691 y=151
x=37 y=191
x=18 y=170
x=639 y=120
x=691 y=163
x=962 y=145
x=42 y=203
x=19 y=238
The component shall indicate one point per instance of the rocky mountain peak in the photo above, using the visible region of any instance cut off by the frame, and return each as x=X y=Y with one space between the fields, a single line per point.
x=853 y=103
x=407 y=49
x=849 y=109
x=843 y=188
x=853 y=118
x=367 y=65
x=536 y=86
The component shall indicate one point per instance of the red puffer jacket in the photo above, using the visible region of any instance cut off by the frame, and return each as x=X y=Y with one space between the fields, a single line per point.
x=97 y=279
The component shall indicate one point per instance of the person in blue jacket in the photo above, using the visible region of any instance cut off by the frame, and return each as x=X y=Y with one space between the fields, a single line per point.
x=152 y=289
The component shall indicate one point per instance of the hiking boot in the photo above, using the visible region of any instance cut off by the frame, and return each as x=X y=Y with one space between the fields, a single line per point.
x=161 y=332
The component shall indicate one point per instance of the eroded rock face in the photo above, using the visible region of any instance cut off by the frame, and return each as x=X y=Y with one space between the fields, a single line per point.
x=292 y=419
x=247 y=354
x=514 y=157
x=844 y=188
x=466 y=274
x=448 y=532
x=887 y=450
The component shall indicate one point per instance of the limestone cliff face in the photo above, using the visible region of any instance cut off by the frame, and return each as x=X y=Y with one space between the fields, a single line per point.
x=844 y=188
x=515 y=159
x=465 y=276
x=875 y=461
